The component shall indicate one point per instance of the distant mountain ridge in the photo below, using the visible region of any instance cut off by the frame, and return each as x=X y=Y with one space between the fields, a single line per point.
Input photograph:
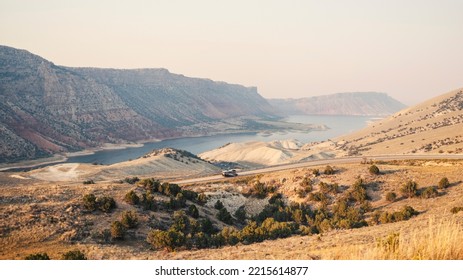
x=349 y=103
x=45 y=108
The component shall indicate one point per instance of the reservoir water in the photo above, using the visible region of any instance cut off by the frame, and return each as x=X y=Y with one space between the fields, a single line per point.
x=338 y=125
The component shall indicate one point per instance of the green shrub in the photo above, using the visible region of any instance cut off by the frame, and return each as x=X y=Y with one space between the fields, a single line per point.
x=240 y=215
x=106 y=203
x=225 y=216
x=148 y=202
x=201 y=199
x=150 y=184
x=230 y=235
x=129 y=219
x=301 y=193
x=328 y=188
x=193 y=211
x=88 y=182
x=189 y=195
x=276 y=199
x=408 y=212
x=271 y=229
x=306 y=184
x=319 y=197
x=261 y=190
x=74 y=255
x=443 y=183
x=38 y=256
x=391 y=196
x=201 y=240
x=131 y=180
x=385 y=217
x=248 y=234
x=218 y=205
x=176 y=202
x=207 y=226
x=328 y=170
x=169 y=240
x=358 y=191
x=455 y=210
x=171 y=189
x=429 y=192
x=117 y=230
x=409 y=189
x=102 y=236
x=181 y=222
x=89 y=201
x=132 y=198
x=316 y=172
x=374 y=170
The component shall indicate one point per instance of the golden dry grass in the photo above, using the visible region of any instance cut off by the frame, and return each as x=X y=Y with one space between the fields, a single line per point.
x=440 y=240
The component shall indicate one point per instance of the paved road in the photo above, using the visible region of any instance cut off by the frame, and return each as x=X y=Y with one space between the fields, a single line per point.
x=316 y=163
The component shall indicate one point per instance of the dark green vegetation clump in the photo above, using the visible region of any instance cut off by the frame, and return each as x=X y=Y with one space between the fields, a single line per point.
x=103 y=203
x=38 y=256
x=374 y=170
x=74 y=255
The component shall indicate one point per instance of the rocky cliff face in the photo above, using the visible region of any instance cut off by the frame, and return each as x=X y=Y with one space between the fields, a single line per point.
x=355 y=103
x=45 y=108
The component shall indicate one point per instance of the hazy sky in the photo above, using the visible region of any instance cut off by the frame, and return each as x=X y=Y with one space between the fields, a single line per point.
x=412 y=50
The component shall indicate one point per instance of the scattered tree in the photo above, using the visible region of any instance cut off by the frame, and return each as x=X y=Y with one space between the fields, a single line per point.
x=429 y=192
x=374 y=170
x=38 y=256
x=240 y=215
x=225 y=216
x=329 y=170
x=169 y=240
x=409 y=189
x=391 y=196
x=218 y=205
x=443 y=183
x=74 y=255
x=131 y=180
x=117 y=230
x=106 y=203
x=132 y=198
x=193 y=211
x=90 y=202
x=129 y=219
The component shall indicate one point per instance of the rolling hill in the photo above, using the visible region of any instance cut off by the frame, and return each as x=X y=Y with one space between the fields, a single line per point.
x=349 y=103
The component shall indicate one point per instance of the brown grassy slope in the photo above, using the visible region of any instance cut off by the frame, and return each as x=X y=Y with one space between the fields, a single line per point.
x=435 y=126
x=47 y=217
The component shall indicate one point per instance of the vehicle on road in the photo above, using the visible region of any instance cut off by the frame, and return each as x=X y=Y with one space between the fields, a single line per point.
x=229 y=173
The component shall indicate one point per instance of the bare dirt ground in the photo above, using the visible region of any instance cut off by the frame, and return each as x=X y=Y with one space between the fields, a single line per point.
x=39 y=216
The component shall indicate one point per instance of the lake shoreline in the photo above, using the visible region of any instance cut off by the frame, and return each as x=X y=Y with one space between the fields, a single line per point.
x=303 y=128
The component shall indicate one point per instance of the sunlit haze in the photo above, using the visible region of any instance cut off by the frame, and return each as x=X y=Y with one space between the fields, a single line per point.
x=411 y=50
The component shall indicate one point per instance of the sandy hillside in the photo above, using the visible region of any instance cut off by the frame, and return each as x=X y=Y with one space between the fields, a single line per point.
x=435 y=126
x=164 y=163
x=265 y=153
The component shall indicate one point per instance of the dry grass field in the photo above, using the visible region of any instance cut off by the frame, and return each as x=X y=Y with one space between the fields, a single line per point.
x=49 y=217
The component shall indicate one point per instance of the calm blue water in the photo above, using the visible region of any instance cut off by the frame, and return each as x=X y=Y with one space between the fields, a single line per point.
x=338 y=125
